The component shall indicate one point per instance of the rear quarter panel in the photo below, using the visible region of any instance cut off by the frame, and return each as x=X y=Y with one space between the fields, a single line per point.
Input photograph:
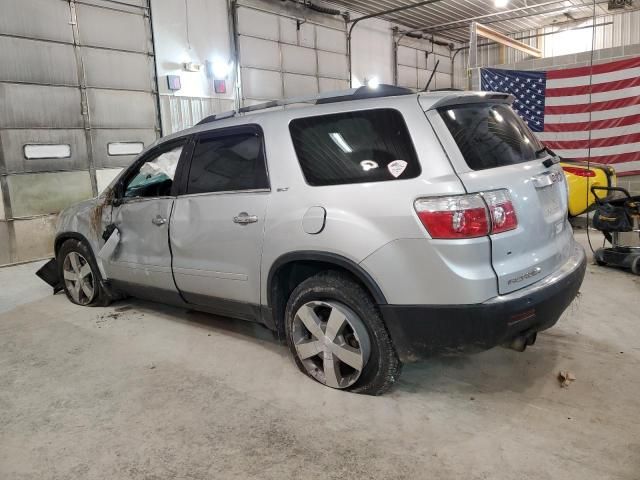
x=360 y=218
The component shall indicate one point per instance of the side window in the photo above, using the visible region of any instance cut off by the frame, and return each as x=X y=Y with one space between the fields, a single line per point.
x=154 y=177
x=354 y=147
x=227 y=163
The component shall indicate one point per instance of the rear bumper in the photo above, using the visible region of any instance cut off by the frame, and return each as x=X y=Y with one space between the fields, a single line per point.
x=421 y=330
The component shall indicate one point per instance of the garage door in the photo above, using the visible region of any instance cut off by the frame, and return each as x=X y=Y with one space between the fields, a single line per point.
x=77 y=102
x=283 y=56
x=415 y=66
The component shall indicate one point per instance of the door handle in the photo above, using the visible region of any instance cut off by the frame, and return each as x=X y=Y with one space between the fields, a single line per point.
x=244 y=218
x=159 y=221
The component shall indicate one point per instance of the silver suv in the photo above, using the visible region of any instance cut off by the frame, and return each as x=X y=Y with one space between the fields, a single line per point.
x=369 y=229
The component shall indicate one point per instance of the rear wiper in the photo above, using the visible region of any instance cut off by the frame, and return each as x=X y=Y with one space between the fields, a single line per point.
x=549 y=161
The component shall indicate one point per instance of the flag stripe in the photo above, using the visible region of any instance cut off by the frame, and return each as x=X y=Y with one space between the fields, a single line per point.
x=594 y=69
x=597 y=79
x=595 y=97
x=592 y=107
x=593 y=125
x=593 y=116
x=595 y=88
x=599 y=142
x=632 y=158
x=630 y=148
x=584 y=134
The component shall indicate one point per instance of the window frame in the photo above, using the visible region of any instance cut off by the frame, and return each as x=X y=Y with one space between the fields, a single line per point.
x=253 y=129
x=374 y=109
x=148 y=155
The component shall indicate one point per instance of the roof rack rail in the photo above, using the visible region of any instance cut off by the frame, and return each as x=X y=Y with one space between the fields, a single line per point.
x=360 y=93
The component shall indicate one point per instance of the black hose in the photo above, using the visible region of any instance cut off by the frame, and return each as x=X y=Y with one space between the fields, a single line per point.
x=318 y=8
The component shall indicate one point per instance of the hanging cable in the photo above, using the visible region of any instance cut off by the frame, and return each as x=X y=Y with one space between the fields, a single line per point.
x=593 y=46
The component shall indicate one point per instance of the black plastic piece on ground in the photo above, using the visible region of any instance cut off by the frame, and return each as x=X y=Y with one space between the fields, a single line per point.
x=49 y=274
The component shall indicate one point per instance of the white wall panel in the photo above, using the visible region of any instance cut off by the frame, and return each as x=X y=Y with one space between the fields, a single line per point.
x=257 y=23
x=259 y=53
x=298 y=59
x=423 y=78
x=261 y=84
x=421 y=58
x=118 y=109
x=407 y=56
x=25 y=60
x=332 y=85
x=442 y=80
x=112 y=69
x=307 y=35
x=332 y=65
x=42 y=19
x=407 y=76
x=331 y=39
x=299 y=85
x=102 y=27
x=288 y=30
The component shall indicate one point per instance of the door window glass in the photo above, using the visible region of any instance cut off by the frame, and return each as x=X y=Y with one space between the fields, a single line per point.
x=155 y=177
x=228 y=163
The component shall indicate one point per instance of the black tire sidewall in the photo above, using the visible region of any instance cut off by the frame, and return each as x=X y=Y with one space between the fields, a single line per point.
x=325 y=288
x=73 y=245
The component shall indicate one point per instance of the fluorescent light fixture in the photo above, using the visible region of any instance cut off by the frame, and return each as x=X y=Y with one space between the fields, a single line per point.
x=373 y=83
x=500 y=3
x=339 y=140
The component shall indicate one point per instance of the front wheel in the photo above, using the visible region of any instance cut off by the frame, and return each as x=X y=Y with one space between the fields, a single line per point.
x=80 y=275
x=337 y=336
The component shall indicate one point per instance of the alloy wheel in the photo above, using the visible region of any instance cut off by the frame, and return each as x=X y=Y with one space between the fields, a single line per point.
x=331 y=341
x=78 y=278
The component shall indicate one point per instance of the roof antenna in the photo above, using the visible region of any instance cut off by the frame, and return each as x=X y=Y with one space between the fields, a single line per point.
x=431 y=77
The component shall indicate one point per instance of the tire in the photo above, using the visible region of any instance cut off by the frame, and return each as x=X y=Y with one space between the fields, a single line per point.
x=347 y=324
x=73 y=257
x=635 y=265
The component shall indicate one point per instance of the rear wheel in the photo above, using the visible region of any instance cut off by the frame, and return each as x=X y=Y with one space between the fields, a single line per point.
x=80 y=275
x=635 y=265
x=337 y=336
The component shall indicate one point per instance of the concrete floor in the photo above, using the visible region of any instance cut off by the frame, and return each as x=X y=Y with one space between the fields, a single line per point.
x=143 y=391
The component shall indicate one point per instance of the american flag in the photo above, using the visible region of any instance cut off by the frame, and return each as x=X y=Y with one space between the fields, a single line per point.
x=557 y=105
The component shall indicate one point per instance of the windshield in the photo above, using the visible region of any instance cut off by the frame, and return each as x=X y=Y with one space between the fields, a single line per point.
x=490 y=135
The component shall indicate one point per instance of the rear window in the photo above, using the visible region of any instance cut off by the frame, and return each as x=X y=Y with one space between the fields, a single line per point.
x=490 y=135
x=354 y=147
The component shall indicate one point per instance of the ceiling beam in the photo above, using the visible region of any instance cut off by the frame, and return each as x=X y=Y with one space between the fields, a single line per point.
x=502 y=39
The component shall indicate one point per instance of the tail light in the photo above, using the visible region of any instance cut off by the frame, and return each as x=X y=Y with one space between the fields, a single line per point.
x=580 y=172
x=462 y=216
x=503 y=216
x=467 y=216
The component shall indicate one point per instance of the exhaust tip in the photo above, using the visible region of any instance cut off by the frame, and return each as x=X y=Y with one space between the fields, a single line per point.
x=521 y=342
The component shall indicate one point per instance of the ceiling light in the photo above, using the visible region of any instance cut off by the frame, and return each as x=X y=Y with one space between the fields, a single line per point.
x=500 y=3
x=339 y=140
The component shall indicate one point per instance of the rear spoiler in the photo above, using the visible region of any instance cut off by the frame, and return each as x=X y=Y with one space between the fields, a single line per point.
x=466 y=98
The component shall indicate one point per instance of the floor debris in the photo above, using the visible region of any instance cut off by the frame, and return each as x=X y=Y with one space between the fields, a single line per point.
x=565 y=378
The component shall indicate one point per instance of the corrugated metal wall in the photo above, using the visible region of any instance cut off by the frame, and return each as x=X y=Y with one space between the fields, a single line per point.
x=77 y=93
x=619 y=30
